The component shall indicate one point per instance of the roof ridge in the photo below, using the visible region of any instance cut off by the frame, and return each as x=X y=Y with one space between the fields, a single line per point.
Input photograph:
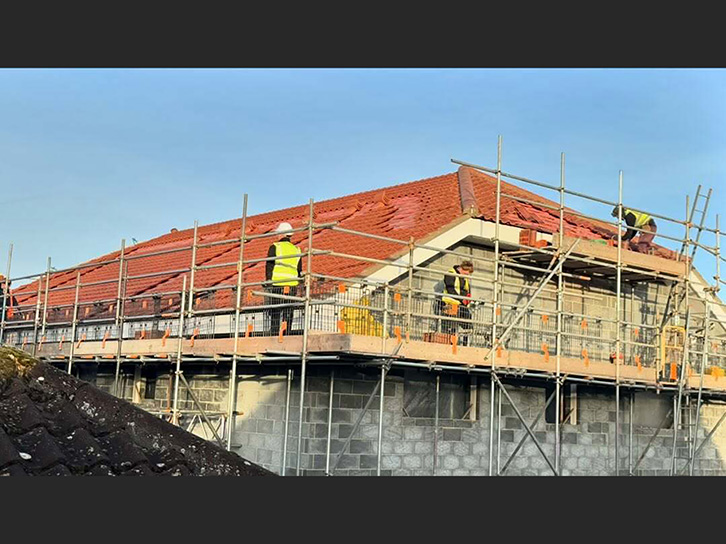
x=574 y=218
x=416 y=208
x=358 y=194
x=302 y=207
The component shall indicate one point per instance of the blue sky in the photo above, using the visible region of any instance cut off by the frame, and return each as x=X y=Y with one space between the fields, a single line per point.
x=88 y=157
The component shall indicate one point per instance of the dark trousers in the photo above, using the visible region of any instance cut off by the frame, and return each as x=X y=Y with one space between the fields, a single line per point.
x=645 y=239
x=449 y=326
x=276 y=316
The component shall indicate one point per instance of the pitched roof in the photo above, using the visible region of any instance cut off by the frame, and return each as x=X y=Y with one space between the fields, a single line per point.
x=54 y=424
x=418 y=209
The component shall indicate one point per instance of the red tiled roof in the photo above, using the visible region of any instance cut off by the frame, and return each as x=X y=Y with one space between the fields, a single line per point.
x=419 y=210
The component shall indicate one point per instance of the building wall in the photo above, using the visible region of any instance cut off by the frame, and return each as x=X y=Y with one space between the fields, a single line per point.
x=594 y=304
x=408 y=442
x=462 y=444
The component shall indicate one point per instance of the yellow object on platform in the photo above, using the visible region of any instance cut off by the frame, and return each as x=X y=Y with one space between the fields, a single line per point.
x=361 y=320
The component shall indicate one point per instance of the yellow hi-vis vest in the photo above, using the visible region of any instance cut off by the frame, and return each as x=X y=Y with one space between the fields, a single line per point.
x=285 y=270
x=457 y=288
x=640 y=218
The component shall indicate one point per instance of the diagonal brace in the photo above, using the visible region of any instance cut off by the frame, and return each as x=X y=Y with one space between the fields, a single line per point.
x=561 y=261
x=650 y=442
x=524 y=438
x=355 y=427
x=201 y=411
x=526 y=427
x=386 y=368
x=706 y=439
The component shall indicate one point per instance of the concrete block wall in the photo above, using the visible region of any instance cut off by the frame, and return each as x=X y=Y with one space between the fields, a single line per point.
x=462 y=445
x=408 y=442
x=641 y=304
x=259 y=425
x=209 y=387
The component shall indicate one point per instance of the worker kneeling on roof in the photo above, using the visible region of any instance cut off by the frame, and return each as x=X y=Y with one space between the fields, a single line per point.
x=455 y=299
x=284 y=275
x=637 y=220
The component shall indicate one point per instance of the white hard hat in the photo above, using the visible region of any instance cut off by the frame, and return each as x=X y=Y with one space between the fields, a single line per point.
x=282 y=227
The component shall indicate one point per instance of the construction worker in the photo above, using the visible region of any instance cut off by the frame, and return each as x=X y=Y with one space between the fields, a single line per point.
x=285 y=275
x=7 y=299
x=455 y=299
x=638 y=220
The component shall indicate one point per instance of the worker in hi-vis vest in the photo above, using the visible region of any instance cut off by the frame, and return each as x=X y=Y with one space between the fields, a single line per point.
x=455 y=299
x=286 y=275
x=638 y=220
x=7 y=298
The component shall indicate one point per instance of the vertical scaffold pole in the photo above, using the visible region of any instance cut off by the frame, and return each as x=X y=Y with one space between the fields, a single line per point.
x=74 y=324
x=499 y=431
x=718 y=257
x=237 y=304
x=330 y=423
x=193 y=268
x=618 y=327
x=119 y=321
x=6 y=294
x=704 y=363
x=382 y=393
x=716 y=289
x=631 y=402
x=306 y=326
x=177 y=372
x=36 y=320
x=384 y=334
x=45 y=302
x=495 y=307
x=287 y=422
x=436 y=426
x=684 y=360
x=558 y=408
x=410 y=287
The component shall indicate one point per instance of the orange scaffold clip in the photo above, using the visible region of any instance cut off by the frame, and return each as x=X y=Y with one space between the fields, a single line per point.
x=167 y=333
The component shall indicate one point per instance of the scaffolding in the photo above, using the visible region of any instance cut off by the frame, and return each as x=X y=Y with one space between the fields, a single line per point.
x=391 y=322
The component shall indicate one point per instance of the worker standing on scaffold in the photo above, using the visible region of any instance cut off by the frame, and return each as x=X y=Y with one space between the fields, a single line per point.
x=637 y=220
x=285 y=274
x=455 y=299
x=7 y=299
